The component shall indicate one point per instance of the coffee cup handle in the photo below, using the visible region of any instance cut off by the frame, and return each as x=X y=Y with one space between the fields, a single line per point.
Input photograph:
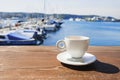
x=63 y=47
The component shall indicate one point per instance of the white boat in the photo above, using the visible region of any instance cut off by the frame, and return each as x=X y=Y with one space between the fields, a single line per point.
x=49 y=27
x=77 y=19
x=29 y=30
x=20 y=38
x=71 y=19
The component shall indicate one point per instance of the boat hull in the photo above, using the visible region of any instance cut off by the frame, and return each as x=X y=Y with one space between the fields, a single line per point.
x=19 y=42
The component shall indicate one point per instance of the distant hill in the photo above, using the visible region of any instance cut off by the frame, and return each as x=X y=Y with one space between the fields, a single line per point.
x=67 y=16
x=4 y=15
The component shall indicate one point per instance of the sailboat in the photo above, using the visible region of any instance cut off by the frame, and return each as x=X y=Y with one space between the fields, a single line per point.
x=50 y=24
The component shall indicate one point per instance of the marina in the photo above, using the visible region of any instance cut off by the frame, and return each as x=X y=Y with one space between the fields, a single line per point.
x=28 y=32
x=100 y=33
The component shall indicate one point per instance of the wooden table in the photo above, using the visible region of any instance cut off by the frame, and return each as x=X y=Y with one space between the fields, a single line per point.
x=40 y=63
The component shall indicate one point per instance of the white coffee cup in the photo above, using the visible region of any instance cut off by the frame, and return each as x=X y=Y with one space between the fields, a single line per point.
x=76 y=46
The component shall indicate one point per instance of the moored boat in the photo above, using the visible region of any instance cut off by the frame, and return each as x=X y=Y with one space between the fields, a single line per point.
x=20 y=38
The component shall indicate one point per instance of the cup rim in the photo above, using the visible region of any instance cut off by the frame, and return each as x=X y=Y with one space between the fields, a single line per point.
x=78 y=37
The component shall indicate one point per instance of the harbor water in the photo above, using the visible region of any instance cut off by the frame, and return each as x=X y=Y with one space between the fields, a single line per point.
x=100 y=33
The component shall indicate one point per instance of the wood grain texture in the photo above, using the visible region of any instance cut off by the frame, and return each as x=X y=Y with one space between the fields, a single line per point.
x=40 y=63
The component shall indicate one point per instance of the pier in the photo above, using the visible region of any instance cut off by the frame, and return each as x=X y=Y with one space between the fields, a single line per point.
x=40 y=63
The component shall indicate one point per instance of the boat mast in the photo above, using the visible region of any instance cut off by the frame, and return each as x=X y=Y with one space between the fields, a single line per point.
x=44 y=10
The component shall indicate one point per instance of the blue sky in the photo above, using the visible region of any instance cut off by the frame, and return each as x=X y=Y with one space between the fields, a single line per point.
x=81 y=7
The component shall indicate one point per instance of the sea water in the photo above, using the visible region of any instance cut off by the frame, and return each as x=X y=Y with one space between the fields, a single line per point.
x=100 y=33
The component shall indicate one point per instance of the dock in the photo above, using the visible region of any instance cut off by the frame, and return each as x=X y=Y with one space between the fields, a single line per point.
x=40 y=63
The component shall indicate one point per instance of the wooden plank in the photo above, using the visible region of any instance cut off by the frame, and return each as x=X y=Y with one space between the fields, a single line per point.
x=40 y=63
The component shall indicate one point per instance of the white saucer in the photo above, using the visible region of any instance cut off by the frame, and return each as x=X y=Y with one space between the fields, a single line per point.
x=66 y=58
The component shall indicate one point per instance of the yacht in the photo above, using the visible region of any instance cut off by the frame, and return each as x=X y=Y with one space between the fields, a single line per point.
x=20 y=38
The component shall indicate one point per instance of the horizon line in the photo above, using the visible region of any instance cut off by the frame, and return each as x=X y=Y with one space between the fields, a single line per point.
x=53 y=13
